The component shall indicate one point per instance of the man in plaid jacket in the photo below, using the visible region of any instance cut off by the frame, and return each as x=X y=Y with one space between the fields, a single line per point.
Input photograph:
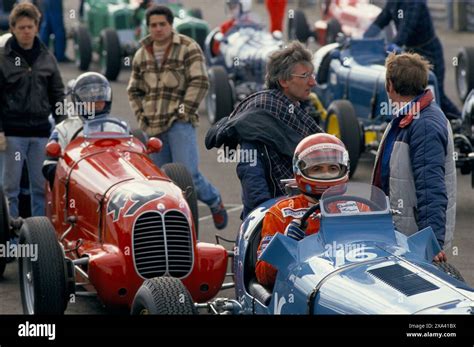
x=167 y=84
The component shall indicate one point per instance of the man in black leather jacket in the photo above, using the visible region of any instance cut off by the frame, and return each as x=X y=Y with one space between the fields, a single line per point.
x=31 y=89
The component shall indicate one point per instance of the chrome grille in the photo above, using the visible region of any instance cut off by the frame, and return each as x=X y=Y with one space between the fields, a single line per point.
x=162 y=247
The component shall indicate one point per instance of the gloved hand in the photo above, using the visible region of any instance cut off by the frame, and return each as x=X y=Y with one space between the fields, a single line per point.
x=393 y=47
x=440 y=257
x=294 y=231
x=372 y=31
x=3 y=142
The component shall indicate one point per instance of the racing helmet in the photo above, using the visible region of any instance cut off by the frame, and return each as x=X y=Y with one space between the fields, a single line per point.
x=91 y=87
x=245 y=5
x=316 y=150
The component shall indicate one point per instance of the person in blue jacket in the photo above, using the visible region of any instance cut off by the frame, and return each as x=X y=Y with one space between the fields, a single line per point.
x=415 y=162
x=53 y=23
x=416 y=33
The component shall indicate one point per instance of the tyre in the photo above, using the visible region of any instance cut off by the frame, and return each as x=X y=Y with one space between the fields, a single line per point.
x=195 y=12
x=219 y=100
x=183 y=179
x=298 y=28
x=164 y=296
x=43 y=281
x=342 y=122
x=4 y=229
x=140 y=135
x=82 y=47
x=465 y=72
x=450 y=270
x=334 y=28
x=110 y=54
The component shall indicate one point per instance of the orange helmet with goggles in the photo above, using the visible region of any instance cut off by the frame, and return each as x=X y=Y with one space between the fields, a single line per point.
x=320 y=161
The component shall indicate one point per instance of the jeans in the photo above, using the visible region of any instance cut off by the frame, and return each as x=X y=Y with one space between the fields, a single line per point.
x=53 y=23
x=19 y=149
x=180 y=146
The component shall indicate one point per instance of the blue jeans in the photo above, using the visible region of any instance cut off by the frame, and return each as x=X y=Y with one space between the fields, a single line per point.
x=53 y=23
x=19 y=149
x=180 y=146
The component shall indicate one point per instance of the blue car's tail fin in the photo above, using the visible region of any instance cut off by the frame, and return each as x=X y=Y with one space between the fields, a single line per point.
x=424 y=242
x=280 y=252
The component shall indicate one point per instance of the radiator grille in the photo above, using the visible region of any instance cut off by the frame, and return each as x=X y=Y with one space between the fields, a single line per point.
x=162 y=245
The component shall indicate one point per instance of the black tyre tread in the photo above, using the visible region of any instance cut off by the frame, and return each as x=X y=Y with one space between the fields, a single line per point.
x=350 y=130
x=84 y=41
x=5 y=229
x=334 y=28
x=180 y=175
x=451 y=270
x=113 y=62
x=169 y=296
x=468 y=54
x=195 y=12
x=48 y=270
x=299 y=25
x=219 y=81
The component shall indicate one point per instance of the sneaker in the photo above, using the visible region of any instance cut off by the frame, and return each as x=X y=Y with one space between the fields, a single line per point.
x=219 y=215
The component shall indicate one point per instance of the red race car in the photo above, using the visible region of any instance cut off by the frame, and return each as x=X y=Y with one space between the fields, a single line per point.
x=351 y=17
x=119 y=227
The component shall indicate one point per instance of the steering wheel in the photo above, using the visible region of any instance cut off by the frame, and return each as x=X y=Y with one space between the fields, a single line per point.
x=305 y=217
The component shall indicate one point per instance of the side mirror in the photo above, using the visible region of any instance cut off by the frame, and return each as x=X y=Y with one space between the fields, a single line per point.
x=153 y=145
x=53 y=150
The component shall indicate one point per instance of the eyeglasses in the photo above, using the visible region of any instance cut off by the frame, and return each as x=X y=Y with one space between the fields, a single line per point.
x=306 y=76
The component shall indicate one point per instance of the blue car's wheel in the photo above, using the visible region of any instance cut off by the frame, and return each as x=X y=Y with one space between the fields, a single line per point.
x=220 y=100
x=450 y=270
x=341 y=121
x=465 y=72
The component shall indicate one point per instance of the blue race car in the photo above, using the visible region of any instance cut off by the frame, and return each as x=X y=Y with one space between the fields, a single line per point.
x=351 y=85
x=238 y=69
x=356 y=264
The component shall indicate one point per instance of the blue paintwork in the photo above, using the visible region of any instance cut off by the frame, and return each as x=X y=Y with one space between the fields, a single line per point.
x=357 y=73
x=326 y=273
x=244 y=53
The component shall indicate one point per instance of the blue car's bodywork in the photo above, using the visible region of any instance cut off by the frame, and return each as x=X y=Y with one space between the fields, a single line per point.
x=354 y=70
x=356 y=264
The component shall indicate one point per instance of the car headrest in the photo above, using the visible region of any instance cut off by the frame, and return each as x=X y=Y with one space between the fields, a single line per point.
x=368 y=51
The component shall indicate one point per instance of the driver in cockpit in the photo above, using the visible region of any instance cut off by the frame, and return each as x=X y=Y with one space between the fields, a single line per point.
x=320 y=161
x=91 y=96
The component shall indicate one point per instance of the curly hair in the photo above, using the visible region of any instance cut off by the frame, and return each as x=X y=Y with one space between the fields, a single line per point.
x=408 y=73
x=24 y=9
x=281 y=63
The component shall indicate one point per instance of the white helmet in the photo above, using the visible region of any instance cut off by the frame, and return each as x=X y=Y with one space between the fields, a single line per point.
x=245 y=5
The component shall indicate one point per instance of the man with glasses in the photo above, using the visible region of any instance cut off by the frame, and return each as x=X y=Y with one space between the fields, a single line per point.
x=269 y=124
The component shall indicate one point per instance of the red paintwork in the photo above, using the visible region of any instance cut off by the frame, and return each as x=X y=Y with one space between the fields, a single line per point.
x=96 y=169
x=355 y=16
